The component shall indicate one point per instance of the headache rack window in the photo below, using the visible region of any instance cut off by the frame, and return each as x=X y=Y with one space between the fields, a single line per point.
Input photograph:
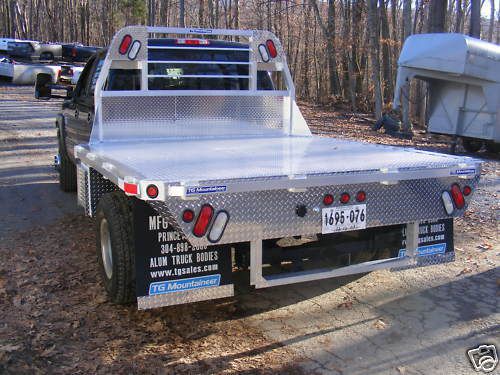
x=213 y=66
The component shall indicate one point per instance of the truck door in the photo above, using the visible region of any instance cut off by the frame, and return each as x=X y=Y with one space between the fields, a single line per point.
x=79 y=113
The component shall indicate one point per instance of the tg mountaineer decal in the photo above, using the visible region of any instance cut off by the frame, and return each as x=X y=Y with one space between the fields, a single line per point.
x=179 y=285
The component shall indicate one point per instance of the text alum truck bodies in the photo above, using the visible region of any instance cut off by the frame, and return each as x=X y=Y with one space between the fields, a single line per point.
x=199 y=163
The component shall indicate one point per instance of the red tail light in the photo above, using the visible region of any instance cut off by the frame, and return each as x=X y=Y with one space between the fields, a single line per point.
x=271 y=48
x=193 y=42
x=328 y=199
x=457 y=196
x=467 y=190
x=204 y=218
x=345 y=198
x=130 y=188
x=361 y=196
x=152 y=191
x=187 y=216
x=125 y=44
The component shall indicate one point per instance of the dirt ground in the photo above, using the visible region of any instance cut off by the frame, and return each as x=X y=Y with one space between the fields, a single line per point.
x=55 y=318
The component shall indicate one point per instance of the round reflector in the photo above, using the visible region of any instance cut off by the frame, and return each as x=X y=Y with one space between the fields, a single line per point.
x=361 y=196
x=328 y=199
x=345 y=198
x=187 y=216
x=152 y=191
x=204 y=218
x=467 y=190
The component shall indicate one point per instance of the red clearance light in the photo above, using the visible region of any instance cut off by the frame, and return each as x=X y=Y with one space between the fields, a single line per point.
x=152 y=191
x=328 y=199
x=361 y=196
x=271 y=48
x=187 y=216
x=193 y=42
x=345 y=198
x=467 y=190
x=125 y=44
x=204 y=218
x=130 y=188
x=457 y=196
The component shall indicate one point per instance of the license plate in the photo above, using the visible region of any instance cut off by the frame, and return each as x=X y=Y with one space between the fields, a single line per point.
x=342 y=219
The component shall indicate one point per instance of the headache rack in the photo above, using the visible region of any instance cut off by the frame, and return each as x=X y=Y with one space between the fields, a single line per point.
x=152 y=113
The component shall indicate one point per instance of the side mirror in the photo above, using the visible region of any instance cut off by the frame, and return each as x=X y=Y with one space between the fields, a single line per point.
x=43 y=89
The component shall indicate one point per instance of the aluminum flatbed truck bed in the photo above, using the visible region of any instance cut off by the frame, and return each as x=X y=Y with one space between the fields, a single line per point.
x=218 y=176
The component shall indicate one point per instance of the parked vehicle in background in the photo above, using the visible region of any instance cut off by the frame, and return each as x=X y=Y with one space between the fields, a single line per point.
x=76 y=52
x=35 y=51
x=25 y=73
x=70 y=73
x=4 y=44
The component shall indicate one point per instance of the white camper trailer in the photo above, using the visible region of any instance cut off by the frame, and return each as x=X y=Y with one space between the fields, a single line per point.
x=463 y=74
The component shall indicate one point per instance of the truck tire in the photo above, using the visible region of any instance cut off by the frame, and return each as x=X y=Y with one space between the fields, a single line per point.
x=471 y=144
x=115 y=247
x=67 y=170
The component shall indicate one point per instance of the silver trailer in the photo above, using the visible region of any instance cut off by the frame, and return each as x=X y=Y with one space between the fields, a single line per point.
x=464 y=85
x=191 y=182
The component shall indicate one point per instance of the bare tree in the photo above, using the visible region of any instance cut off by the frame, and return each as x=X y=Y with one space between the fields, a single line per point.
x=182 y=14
x=374 y=55
x=437 y=16
x=492 y=20
x=405 y=90
x=475 y=18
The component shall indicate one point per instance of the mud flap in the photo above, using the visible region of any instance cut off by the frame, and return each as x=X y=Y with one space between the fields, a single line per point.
x=435 y=244
x=169 y=270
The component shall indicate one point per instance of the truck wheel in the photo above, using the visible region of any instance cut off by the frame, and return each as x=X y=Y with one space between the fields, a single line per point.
x=472 y=145
x=115 y=247
x=67 y=171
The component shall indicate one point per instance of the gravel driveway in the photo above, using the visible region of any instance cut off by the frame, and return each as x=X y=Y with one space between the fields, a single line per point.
x=55 y=317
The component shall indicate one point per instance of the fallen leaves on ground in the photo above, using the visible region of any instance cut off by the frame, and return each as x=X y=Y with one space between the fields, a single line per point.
x=56 y=318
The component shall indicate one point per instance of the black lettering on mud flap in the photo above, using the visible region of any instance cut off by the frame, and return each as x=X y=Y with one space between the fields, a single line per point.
x=166 y=262
x=434 y=237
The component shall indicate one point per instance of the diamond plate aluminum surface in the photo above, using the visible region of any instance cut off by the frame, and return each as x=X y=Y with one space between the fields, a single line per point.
x=428 y=260
x=179 y=161
x=187 y=296
x=98 y=187
x=271 y=214
x=82 y=178
x=142 y=117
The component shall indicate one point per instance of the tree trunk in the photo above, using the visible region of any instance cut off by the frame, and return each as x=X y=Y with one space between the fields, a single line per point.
x=181 y=14
x=437 y=16
x=329 y=34
x=460 y=15
x=374 y=55
x=405 y=90
x=475 y=19
x=492 y=21
x=386 y=58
